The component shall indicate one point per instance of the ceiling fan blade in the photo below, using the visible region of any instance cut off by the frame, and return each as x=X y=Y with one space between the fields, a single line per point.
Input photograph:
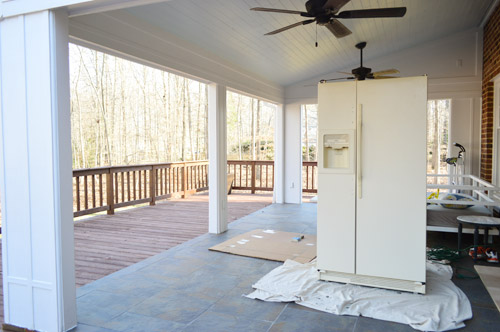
x=290 y=26
x=338 y=29
x=274 y=10
x=384 y=77
x=371 y=13
x=385 y=72
x=344 y=72
x=335 y=5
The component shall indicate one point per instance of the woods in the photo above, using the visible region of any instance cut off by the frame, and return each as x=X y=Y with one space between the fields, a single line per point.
x=309 y=132
x=124 y=113
x=438 y=118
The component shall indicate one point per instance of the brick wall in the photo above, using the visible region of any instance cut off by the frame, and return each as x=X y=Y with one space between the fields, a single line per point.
x=491 y=68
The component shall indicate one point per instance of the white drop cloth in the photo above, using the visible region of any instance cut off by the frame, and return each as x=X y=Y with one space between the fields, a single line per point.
x=444 y=307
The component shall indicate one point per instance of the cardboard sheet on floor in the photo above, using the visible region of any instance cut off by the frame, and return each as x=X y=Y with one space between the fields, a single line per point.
x=443 y=307
x=271 y=245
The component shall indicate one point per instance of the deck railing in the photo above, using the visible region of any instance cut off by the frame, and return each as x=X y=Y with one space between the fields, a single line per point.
x=108 y=188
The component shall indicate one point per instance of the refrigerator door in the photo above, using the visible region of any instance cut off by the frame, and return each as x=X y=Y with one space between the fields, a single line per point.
x=391 y=210
x=336 y=177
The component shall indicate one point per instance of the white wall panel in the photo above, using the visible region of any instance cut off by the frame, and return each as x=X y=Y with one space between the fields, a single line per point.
x=35 y=164
x=279 y=156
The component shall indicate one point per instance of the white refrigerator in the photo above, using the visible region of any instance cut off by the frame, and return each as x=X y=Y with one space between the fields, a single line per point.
x=372 y=182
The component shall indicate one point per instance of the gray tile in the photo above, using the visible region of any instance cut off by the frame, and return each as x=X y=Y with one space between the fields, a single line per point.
x=220 y=322
x=483 y=319
x=365 y=324
x=179 y=307
x=98 y=307
x=137 y=323
x=90 y=328
x=293 y=319
x=476 y=292
x=190 y=288
x=235 y=304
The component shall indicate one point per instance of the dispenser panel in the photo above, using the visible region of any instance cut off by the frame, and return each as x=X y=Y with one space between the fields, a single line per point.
x=337 y=151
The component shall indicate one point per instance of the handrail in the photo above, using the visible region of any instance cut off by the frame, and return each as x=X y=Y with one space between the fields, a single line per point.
x=111 y=187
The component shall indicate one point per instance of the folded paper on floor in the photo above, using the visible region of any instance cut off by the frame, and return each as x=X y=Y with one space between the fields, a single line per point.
x=444 y=307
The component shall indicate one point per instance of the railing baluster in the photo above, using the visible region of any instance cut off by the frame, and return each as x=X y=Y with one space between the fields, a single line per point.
x=184 y=181
x=77 y=193
x=134 y=185
x=110 y=200
x=267 y=173
x=146 y=184
x=307 y=177
x=128 y=186
x=100 y=190
x=152 y=185
x=116 y=188
x=86 y=192
x=93 y=191
x=312 y=177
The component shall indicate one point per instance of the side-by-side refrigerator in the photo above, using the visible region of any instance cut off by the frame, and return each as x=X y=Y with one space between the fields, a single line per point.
x=372 y=182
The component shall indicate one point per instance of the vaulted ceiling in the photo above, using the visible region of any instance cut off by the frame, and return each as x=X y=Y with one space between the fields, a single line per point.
x=229 y=30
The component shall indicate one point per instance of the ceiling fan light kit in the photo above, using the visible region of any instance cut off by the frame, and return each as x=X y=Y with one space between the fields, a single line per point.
x=326 y=13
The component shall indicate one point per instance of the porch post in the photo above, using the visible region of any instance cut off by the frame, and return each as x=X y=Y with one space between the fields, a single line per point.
x=35 y=172
x=293 y=154
x=279 y=156
x=217 y=157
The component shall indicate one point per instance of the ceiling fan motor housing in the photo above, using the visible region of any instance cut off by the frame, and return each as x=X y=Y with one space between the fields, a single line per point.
x=361 y=73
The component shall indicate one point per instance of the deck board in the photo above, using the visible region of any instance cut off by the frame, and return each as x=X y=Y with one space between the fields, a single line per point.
x=105 y=244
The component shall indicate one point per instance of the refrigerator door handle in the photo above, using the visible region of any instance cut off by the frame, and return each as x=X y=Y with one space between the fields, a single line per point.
x=359 y=126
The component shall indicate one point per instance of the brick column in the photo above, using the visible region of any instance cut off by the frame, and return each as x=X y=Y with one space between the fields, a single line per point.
x=491 y=68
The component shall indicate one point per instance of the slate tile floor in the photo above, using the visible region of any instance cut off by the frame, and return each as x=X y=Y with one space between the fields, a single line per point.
x=189 y=288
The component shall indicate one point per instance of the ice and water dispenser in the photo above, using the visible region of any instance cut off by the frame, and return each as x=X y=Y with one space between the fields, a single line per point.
x=336 y=151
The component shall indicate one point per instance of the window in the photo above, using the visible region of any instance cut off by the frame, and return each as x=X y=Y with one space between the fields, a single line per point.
x=309 y=132
x=438 y=124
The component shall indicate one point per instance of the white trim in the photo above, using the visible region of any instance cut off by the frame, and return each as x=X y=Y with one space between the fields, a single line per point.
x=107 y=5
x=279 y=156
x=490 y=11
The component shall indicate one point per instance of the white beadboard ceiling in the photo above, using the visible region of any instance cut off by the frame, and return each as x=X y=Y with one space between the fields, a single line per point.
x=228 y=29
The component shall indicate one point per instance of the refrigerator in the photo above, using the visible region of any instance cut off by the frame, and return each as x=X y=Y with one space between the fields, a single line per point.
x=372 y=182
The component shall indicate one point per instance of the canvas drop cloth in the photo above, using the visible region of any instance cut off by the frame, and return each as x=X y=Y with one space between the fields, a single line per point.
x=444 y=307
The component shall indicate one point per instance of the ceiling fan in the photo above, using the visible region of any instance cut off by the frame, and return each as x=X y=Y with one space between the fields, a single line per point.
x=361 y=73
x=326 y=13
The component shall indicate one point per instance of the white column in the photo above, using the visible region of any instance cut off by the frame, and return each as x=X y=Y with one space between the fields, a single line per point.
x=35 y=173
x=217 y=156
x=293 y=154
x=279 y=156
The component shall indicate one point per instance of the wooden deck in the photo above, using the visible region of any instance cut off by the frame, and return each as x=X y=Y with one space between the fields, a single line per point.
x=105 y=244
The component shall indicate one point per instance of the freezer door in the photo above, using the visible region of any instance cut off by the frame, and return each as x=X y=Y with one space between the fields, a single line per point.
x=336 y=178
x=391 y=207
